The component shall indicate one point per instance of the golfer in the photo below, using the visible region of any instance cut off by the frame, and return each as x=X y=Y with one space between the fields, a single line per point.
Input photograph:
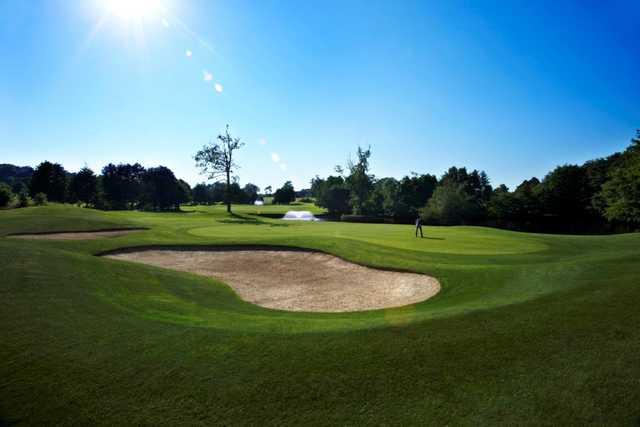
x=419 y=227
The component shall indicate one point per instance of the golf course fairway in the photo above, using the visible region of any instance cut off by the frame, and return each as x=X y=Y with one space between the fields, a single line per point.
x=526 y=328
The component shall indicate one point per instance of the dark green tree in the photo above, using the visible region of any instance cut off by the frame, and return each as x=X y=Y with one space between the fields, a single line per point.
x=122 y=185
x=621 y=192
x=161 y=190
x=251 y=192
x=6 y=195
x=528 y=200
x=359 y=182
x=503 y=204
x=566 y=193
x=413 y=194
x=450 y=205
x=332 y=194
x=200 y=194
x=40 y=199
x=184 y=192
x=285 y=194
x=50 y=179
x=84 y=186
x=23 y=198
x=384 y=199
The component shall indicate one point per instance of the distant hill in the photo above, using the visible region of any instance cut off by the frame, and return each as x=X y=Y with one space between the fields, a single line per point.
x=14 y=175
x=303 y=193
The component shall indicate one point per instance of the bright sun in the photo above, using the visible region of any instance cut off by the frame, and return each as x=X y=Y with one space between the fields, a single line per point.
x=133 y=9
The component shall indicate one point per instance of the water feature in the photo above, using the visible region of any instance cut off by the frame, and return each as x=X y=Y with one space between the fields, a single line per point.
x=299 y=216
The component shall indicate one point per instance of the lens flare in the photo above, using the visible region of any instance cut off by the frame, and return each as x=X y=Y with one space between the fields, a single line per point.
x=133 y=9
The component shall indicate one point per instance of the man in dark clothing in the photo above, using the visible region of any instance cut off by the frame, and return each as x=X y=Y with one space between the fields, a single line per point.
x=419 y=227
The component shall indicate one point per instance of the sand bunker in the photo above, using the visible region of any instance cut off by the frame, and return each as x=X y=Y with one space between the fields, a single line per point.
x=76 y=235
x=295 y=280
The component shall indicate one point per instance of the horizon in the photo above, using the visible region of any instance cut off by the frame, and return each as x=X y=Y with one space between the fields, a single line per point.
x=512 y=91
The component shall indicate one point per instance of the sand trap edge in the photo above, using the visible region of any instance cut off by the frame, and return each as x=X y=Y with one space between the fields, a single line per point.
x=240 y=247
x=99 y=230
x=271 y=248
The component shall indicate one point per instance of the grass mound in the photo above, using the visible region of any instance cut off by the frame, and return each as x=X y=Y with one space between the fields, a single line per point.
x=527 y=329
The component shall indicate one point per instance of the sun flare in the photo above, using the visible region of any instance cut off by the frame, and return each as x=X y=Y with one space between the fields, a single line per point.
x=133 y=9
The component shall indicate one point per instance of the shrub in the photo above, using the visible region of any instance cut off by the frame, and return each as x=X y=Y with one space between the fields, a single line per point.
x=5 y=195
x=40 y=199
x=449 y=205
x=361 y=218
x=23 y=198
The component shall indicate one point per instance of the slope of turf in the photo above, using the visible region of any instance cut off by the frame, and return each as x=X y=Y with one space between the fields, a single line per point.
x=528 y=329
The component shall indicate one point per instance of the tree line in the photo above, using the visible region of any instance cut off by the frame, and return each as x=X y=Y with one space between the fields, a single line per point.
x=122 y=186
x=600 y=195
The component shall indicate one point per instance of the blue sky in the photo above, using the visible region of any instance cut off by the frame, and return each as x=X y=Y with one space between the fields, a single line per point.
x=513 y=88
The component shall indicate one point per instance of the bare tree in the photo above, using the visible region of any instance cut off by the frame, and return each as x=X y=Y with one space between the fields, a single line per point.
x=216 y=160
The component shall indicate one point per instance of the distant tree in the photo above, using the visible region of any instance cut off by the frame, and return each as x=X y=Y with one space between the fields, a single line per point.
x=566 y=193
x=23 y=198
x=475 y=184
x=268 y=190
x=317 y=185
x=503 y=204
x=161 y=190
x=450 y=205
x=251 y=192
x=304 y=193
x=18 y=185
x=15 y=176
x=359 y=182
x=216 y=160
x=384 y=199
x=234 y=193
x=413 y=193
x=621 y=192
x=200 y=194
x=528 y=200
x=50 y=179
x=6 y=195
x=217 y=192
x=40 y=199
x=122 y=185
x=285 y=194
x=332 y=194
x=184 y=192
x=598 y=172
x=84 y=186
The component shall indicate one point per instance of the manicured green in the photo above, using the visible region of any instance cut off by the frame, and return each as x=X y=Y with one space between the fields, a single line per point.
x=528 y=329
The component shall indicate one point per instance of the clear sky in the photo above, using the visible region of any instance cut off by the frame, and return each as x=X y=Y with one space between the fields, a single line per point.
x=511 y=87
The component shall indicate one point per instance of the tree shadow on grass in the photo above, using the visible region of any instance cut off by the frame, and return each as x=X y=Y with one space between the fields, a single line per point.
x=7 y=422
x=248 y=220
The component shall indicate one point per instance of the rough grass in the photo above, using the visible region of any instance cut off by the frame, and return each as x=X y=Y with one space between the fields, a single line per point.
x=528 y=329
